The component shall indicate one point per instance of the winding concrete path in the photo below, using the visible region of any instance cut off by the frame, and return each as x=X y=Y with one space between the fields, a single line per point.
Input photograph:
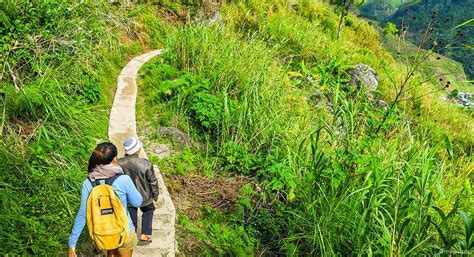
x=122 y=125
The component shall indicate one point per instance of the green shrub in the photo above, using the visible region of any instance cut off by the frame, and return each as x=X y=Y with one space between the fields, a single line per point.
x=236 y=158
x=390 y=29
x=453 y=94
x=90 y=91
x=206 y=109
x=186 y=161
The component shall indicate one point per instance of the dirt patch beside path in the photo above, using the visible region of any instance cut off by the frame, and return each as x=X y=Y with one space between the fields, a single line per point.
x=192 y=192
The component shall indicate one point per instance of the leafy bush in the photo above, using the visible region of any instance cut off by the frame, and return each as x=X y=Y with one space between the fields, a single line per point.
x=390 y=29
x=218 y=236
x=236 y=158
x=189 y=92
x=90 y=91
x=186 y=161
x=206 y=109
x=453 y=94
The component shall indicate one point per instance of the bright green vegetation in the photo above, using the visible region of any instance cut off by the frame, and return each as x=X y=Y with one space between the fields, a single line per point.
x=438 y=66
x=264 y=95
x=59 y=62
x=441 y=77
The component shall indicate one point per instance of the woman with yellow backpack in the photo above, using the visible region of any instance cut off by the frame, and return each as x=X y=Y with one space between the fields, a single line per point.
x=105 y=195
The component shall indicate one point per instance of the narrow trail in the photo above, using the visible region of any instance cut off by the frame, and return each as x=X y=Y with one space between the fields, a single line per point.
x=122 y=125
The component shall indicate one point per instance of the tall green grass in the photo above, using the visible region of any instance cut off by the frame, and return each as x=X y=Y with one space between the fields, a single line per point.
x=331 y=182
x=248 y=81
x=58 y=76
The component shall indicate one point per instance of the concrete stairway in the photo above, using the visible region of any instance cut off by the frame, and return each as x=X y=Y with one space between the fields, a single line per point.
x=122 y=125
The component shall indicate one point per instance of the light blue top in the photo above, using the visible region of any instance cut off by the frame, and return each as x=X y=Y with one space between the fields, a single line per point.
x=125 y=190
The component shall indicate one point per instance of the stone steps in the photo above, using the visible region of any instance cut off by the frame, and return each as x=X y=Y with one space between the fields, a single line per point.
x=122 y=125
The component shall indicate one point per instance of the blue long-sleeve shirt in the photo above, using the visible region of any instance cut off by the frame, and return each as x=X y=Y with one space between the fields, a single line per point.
x=125 y=190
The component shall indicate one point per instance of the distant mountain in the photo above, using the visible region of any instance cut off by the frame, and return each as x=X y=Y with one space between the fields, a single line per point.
x=379 y=10
x=443 y=15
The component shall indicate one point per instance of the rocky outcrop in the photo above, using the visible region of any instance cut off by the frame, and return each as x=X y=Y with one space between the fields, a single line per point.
x=381 y=103
x=175 y=134
x=217 y=19
x=363 y=75
x=464 y=99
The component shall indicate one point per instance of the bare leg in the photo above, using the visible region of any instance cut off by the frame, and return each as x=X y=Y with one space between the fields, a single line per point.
x=112 y=253
x=127 y=253
x=144 y=237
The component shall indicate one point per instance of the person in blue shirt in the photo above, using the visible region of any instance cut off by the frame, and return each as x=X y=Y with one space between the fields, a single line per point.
x=102 y=165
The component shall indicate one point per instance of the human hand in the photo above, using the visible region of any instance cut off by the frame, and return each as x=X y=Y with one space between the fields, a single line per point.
x=71 y=252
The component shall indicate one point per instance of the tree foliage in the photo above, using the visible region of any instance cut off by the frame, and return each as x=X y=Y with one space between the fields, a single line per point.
x=345 y=6
x=390 y=29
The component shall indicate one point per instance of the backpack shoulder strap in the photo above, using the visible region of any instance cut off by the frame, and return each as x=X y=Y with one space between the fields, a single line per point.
x=95 y=183
x=111 y=180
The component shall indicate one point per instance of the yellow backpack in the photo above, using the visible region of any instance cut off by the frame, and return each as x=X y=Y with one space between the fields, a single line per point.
x=106 y=217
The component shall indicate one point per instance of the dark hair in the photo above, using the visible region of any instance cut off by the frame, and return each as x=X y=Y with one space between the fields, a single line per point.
x=103 y=153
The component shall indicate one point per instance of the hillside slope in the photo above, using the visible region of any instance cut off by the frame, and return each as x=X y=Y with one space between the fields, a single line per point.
x=261 y=91
x=264 y=145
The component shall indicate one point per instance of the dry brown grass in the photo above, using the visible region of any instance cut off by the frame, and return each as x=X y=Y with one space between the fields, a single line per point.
x=192 y=192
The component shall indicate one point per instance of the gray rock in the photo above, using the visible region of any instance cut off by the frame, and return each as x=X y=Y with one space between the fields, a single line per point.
x=162 y=151
x=466 y=103
x=216 y=19
x=363 y=75
x=177 y=134
x=381 y=103
x=464 y=95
